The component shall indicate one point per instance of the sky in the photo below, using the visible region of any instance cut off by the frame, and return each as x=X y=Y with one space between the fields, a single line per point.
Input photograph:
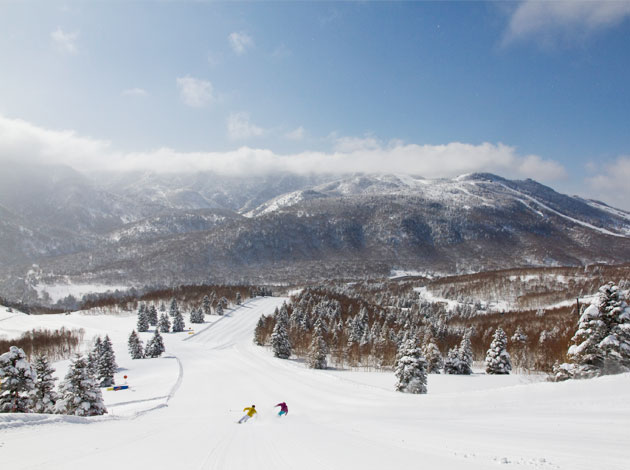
x=523 y=89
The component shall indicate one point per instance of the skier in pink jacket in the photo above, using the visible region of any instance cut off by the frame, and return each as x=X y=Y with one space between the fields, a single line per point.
x=284 y=409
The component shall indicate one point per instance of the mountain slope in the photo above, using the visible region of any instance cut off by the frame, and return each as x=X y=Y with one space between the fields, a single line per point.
x=345 y=227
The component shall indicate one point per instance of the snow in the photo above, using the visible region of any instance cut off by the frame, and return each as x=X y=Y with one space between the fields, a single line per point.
x=60 y=291
x=398 y=273
x=277 y=203
x=575 y=221
x=181 y=412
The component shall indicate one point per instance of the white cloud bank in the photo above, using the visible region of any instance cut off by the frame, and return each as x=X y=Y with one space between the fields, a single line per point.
x=240 y=42
x=195 y=92
x=544 y=20
x=612 y=182
x=65 y=42
x=25 y=142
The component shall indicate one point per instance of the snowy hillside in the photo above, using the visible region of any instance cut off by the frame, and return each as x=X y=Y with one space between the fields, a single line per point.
x=181 y=412
x=296 y=228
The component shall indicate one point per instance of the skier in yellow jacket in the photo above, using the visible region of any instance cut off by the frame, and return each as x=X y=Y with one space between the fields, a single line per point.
x=251 y=411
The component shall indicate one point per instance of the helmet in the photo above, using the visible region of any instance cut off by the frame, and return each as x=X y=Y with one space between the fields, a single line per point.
x=253 y=406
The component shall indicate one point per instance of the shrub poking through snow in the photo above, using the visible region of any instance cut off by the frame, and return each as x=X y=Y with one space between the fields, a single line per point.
x=497 y=357
x=411 y=369
x=18 y=381
x=79 y=393
x=155 y=346
x=601 y=344
x=44 y=396
x=135 y=346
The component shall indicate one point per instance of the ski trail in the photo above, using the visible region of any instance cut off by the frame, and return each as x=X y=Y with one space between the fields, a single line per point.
x=334 y=423
x=180 y=378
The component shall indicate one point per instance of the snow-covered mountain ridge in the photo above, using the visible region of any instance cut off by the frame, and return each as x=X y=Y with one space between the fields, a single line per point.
x=133 y=228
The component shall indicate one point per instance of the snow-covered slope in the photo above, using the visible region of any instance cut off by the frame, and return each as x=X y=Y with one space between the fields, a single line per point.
x=193 y=398
x=311 y=229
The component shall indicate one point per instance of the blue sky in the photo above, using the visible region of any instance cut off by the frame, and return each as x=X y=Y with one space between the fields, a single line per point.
x=523 y=89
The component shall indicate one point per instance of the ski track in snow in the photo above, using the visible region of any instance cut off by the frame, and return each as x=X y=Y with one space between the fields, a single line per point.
x=334 y=422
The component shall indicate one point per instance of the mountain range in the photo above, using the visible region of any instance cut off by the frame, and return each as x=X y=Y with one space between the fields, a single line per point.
x=149 y=228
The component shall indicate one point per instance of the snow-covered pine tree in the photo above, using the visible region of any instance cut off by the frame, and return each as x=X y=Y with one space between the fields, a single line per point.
x=239 y=300
x=224 y=302
x=319 y=348
x=143 y=319
x=197 y=315
x=465 y=355
x=95 y=354
x=280 y=338
x=155 y=346
x=355 y=331
x=44 y=395
x=219 y=309
x=178 y=322
x=79 y=393
x=18 y=381
x=164 y=325
x=435 y=361
x=153 y=315
x=519 y=335
x=135 y=346
x=497 y=357
x=410 y=369
x=451 y=364
x=616 y=345
x=206 y=305
x=258 y=332
x=173 y=307
x=106 y=366
x=601 y=344
x=520 y=350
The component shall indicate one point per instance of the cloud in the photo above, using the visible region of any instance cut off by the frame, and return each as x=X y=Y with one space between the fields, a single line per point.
x=195 y=92
x=240 y=128
x=610 y=183
x=25 y=142
x=65 y=42
x=138 y=92
x=296 y=134
x=240 y=42
x=548 y=21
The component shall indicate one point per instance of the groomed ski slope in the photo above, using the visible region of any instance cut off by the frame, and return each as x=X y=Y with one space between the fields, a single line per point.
x=185 y=417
